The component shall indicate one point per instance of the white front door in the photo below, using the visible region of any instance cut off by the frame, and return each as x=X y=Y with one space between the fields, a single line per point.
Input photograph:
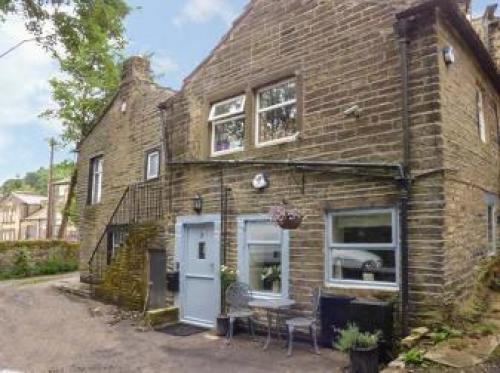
x=199 y=275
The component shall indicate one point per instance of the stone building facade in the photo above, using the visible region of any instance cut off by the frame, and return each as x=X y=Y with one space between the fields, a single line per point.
x=376 y=121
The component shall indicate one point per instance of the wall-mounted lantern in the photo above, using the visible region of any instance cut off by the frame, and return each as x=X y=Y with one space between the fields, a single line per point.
x=123 y=108
x=198 y=204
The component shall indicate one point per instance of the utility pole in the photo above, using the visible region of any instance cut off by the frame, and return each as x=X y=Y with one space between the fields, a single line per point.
x=50 y=197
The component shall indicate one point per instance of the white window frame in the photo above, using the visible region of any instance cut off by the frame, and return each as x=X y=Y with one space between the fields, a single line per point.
x=331 y=245
x=243 y=256
x=152 y=174
x=481 y=118
x=221 y=122
x=258 y=111
x=216 y=120
x=97 y=172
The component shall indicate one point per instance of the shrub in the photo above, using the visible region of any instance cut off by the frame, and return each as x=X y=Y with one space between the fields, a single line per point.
x=352 y=338
x=444 y=333
x=413 y=356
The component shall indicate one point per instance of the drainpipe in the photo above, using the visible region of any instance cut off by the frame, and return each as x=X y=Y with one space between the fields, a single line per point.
x=403 y=41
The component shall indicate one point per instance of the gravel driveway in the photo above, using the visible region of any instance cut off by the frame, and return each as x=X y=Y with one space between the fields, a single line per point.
x=42 y=330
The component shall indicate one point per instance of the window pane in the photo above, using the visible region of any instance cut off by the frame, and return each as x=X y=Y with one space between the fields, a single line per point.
x=277 y=95
x=363 y=228
x=364 y=265
x=229 y=135
x=153 y=165
x=265 y=268
x=278 y=123
x=229 y=107
x=263 y=231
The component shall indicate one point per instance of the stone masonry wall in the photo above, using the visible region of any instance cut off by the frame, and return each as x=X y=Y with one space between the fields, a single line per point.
x=342 y=53
x=471 y=166
x=124 y=139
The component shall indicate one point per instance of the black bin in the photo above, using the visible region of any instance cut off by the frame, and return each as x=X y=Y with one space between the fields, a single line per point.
x=369 y=316
x=173 y=281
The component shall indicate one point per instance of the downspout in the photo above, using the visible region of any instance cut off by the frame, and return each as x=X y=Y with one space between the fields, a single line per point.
x=403 y=41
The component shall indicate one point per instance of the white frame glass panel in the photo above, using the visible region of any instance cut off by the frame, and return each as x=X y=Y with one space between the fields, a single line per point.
x=244 y=254
x=237 y=109
x=97 y=173
x=153 y=173
x=230 y=149
x=332 y=246
x=260 y=110
x=480 y=113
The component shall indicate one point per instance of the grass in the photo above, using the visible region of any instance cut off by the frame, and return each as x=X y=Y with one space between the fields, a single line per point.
x=413 y=357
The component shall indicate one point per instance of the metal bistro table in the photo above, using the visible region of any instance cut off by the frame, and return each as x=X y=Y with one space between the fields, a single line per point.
x=276 y=306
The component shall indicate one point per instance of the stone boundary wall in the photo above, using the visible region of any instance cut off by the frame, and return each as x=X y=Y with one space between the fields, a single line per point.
x=38 y=251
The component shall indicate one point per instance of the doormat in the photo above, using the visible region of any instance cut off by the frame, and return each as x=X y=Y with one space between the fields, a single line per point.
x=181 y=330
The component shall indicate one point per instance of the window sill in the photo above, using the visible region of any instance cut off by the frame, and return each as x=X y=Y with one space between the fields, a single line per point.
x=360 y=286
x=226 y=152
x=278 y=141
x=264 y=296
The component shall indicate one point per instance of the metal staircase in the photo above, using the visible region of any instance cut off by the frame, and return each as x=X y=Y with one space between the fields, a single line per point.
x=139 y=203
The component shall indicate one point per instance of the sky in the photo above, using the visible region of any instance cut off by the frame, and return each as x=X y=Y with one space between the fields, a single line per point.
x=179 y=34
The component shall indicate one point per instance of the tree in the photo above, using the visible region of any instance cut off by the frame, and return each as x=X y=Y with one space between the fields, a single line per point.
x=88 y=45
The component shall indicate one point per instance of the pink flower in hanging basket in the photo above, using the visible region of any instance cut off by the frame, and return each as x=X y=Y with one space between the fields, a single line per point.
x=285 y=217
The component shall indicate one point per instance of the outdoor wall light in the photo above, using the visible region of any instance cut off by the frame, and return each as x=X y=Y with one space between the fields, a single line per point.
x=198 y=204
x=449 y=55
x=124 y=107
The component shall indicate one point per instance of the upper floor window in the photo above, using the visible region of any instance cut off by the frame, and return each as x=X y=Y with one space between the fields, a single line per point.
x=481 y=122
x=276 y=119
x=96 y=172
x=362 y=247
x=228 y=125
x=153 y=165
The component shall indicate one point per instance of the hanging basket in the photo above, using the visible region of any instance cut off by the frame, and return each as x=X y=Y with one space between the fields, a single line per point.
x=285 y=217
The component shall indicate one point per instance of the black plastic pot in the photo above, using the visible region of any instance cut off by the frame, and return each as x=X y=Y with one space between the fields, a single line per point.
x=364 y=360
x=222 y=326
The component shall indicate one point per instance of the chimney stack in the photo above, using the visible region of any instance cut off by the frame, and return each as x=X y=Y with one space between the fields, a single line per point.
x=136 y=67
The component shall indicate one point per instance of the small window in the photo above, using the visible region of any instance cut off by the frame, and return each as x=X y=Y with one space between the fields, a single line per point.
x=153 y=165
x=276 y=114
x=96 y=173
x=263 y=257
x=491 y=229
x=363 y=247
x=228 y=125
x=481 y=123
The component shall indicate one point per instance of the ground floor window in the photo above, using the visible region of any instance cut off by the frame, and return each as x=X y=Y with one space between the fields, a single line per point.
x=362 y=247
x=263 y=256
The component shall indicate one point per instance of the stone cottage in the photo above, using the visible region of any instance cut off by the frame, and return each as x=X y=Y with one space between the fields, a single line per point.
x=376 y=121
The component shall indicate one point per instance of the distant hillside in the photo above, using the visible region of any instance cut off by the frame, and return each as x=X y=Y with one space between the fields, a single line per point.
x=36 y=181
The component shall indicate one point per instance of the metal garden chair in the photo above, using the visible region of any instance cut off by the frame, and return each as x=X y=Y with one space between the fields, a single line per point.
x=237 y=298
x=306 y=322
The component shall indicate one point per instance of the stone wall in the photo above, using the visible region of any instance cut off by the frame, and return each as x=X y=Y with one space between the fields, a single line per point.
x=123 y=138
x=38 y=252
x=125 y=281
x=472 y=168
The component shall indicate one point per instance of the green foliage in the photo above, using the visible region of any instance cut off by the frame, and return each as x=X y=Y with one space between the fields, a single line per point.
x=444 y=333
x=38 y=245
x=24 y=266
x=36 y=181
x=352 y=338
x=413 y=356
x=91 y=61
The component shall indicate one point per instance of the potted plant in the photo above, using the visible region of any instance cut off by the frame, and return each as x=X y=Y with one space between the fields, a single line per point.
x=228 y=275
x=272 y=275
x=362 y=349
x=285 y=216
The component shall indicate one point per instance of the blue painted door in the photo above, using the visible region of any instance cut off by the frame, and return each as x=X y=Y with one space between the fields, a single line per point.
x=199 y=271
